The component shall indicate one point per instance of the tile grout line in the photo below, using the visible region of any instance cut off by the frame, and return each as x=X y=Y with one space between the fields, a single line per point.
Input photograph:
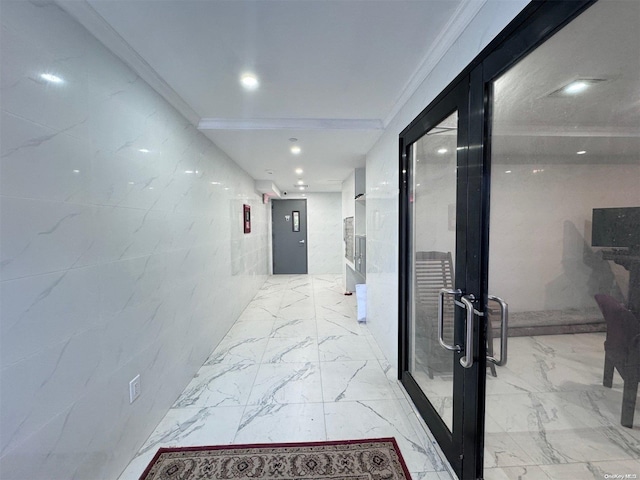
x=259 y=364
x=315 y=316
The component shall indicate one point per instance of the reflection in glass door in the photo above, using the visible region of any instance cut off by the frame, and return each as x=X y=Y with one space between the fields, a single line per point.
x=438 y=322
x=433 y=242
x=564 y=242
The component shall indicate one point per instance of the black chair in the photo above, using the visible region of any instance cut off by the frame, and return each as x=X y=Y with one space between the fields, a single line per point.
x=433 y=271
x=622 y=352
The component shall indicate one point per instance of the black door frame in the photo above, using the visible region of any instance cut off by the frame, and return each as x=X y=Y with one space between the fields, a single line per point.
x=457 y=99
x=534 y=25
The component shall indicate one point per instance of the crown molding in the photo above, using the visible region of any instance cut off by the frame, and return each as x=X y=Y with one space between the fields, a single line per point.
x=610 y=131
x=289 y=124
x=90 y=19
x=464 y=14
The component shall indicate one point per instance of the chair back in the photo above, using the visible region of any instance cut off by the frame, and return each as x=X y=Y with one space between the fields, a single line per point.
x=623 y=328
x=434 y=270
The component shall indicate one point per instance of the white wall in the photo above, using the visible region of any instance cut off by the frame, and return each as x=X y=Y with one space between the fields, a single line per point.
x=114 y=262
x=541 y=224
x=325 y=245
x=348 y=210
x=382 y=172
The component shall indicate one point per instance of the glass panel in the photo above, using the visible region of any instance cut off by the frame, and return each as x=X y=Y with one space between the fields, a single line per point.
x=296 y=221
x=565 y=143
x=433 y=237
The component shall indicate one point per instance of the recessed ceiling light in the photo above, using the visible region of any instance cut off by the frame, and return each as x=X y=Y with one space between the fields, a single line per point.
x=442 y=150
x=300 y=182
x=76 y=171
x=249 y=81
x=296 y=150
x=216 y=183
x=143 y=150
x=507 y=171
x=131 y=183
x=51 y=78
x=188 y=171
x=299 y=171
x=576 y=87
x=301 y=188
x=581 y=152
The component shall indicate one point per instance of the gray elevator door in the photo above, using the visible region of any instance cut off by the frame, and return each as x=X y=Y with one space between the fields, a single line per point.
x=289 y=236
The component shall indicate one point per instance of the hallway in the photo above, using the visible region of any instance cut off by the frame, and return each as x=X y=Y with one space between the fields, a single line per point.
x=295 y=367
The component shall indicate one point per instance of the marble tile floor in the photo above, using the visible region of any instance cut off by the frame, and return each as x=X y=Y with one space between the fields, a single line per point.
x=549 y=417
x=295 y=367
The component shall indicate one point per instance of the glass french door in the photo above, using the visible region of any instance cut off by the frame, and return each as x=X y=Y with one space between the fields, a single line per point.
x=564 y=245
x=521 y=180
x=440 y=285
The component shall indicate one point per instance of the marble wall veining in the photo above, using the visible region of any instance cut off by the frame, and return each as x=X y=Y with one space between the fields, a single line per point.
x=324 y=233
x=383 y=179
x=122 y=251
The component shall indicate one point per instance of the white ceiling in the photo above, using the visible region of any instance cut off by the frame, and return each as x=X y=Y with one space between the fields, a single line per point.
x=534 y=124
x=332 y=73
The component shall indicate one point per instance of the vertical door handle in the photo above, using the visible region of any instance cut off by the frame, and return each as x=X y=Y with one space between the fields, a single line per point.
x=504 y=330
x=441 y=294
x=467 y=360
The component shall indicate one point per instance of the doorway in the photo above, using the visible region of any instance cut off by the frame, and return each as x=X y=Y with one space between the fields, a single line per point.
x=546 y=150
x=289 y=233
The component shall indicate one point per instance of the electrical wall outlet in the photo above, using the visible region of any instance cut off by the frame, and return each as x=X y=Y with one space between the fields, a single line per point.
x=134 y=388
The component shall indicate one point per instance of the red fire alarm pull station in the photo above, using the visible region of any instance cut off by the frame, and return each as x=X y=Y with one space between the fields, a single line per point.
x=247 y=218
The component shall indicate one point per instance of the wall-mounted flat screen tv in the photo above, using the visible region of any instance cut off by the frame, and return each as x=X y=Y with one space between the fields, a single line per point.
x=616 y=227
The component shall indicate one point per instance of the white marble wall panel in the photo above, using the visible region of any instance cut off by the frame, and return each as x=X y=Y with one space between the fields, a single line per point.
x=382 y=172
x=565 y=270
x=121 y=250
x=324 y=232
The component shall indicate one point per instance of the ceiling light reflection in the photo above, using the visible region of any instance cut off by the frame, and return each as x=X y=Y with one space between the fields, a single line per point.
x=576 y=87
x=249 y=81
x=51 y=78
